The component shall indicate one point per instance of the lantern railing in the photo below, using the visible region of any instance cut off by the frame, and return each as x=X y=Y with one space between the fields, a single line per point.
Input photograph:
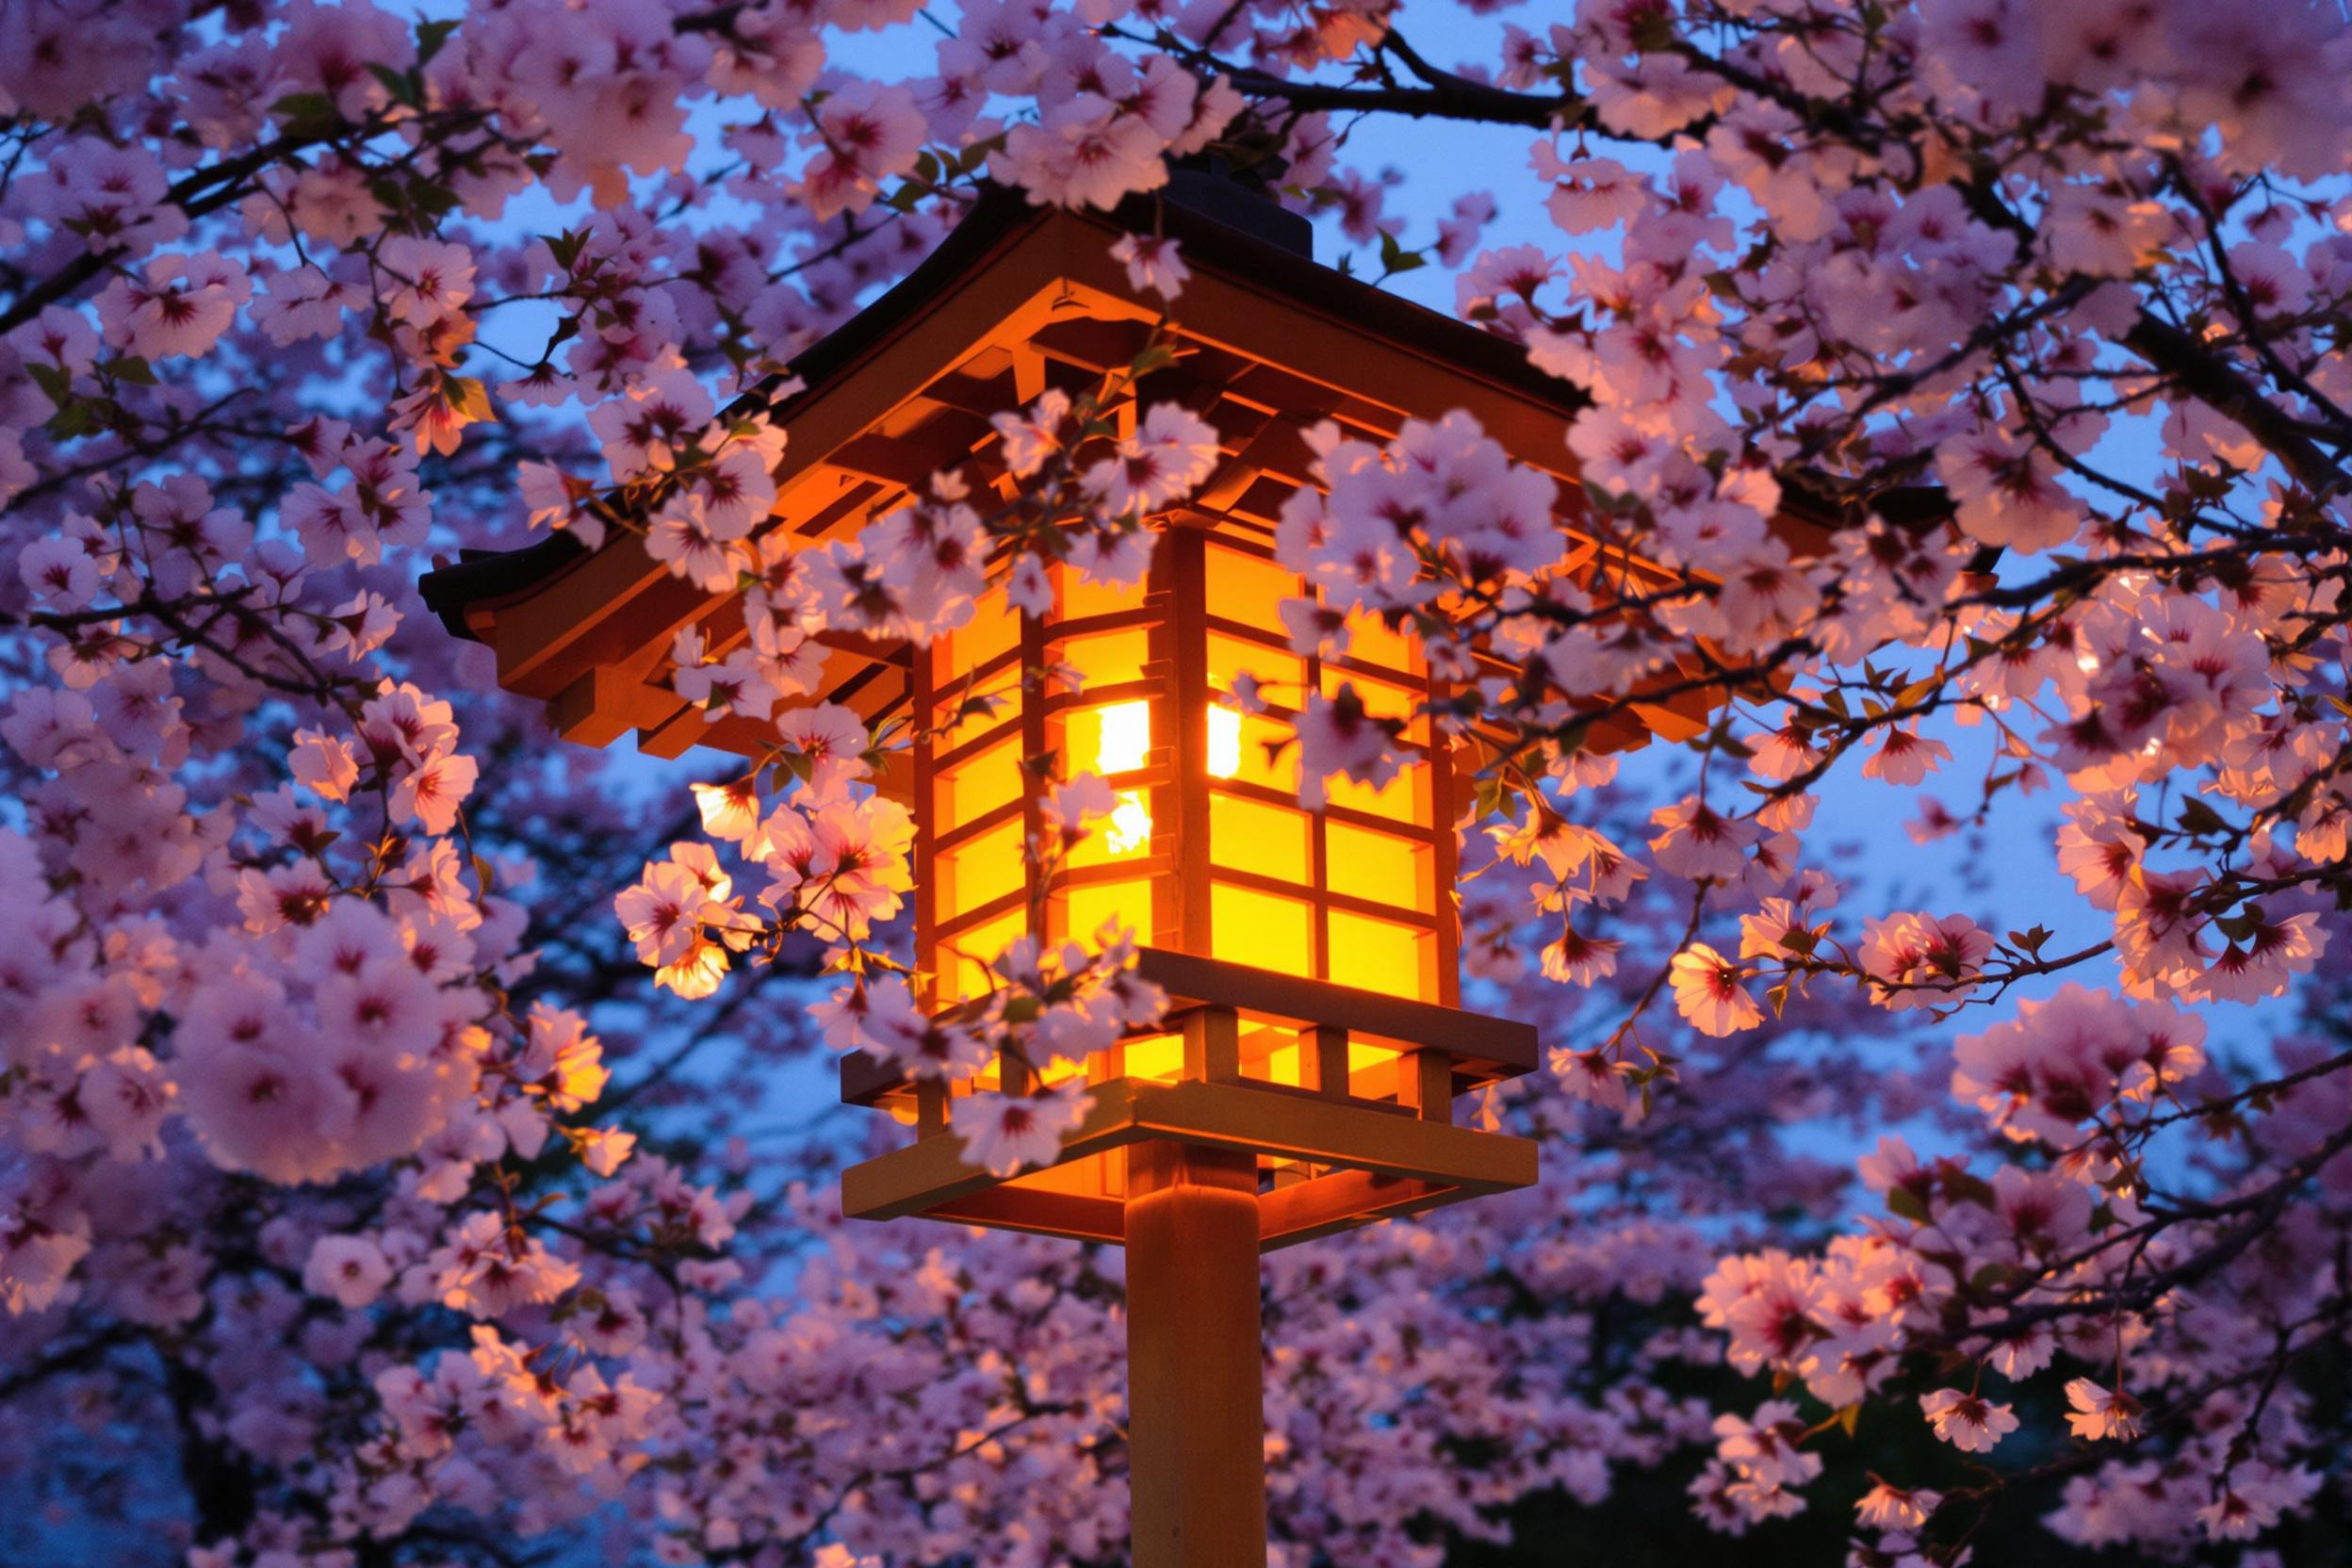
x=1344 y=1098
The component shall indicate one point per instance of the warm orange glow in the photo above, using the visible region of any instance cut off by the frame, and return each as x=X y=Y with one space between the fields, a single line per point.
x=1129 y=829
x=1224 y=742
x=977 y=785
x=1087 y=904
x=1350 y=895
x=1382 y=956
x=1160 y=1056
x=1251 y=835
x=1251 y=762
x=1382 y=700
x=1272 y=1055
x=1372 y=1071
x=1260 y=929
x=1124 y=834
x=1249 y=588
x=1403 y=798
x=964 y=957
x=994 y=630
x=1082 y=597
x=1121 y=735
x=980 y=870
x=1379 y=868
x=1280 y=674
x=1369 y=640
x=1106 y=658
x=965 y=714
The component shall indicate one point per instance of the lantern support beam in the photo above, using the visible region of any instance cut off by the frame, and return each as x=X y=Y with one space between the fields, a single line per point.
x=1195 y=1425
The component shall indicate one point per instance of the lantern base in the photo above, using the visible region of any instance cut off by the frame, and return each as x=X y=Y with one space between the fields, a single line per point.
x=1324 y=1164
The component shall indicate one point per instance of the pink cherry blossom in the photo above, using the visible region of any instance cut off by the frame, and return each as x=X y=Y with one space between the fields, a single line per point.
x=1708 y=993
x=1967 y=1422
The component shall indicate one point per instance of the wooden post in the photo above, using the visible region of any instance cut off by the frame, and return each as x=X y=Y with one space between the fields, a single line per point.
x=1195 y=1424
x=1326 y=1045
x=1425 y=1082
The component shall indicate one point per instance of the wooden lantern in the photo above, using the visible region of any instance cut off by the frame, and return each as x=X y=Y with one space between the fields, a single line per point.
x=1304 y=1078
x=1309 y=955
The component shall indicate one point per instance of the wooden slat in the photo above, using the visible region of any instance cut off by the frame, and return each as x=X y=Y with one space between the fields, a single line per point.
x=1191 y=977
x=1326 y=1049
x=606 y=703
x=1326 y=359
x=1098 y=343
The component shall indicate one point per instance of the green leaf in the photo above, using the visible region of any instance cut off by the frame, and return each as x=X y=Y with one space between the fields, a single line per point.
x=467 y=395
x=1991 y=1276
x=1965 y=1188
x=1487 y=797
x=431 y=35
x=432 y=198
x=78 y=417
x=2201 y=820
x=307 y=109
x=131 y=368
x=565 y=246
x=56 y=383
x=1909 y=1205
x=1395 y=258
x=401 y=85
x=1653 y=32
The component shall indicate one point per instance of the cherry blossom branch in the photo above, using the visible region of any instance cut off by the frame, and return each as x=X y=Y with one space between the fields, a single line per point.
x=2262 y=1208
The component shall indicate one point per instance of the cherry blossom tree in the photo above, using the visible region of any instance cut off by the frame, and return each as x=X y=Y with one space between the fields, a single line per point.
x=395 y=1161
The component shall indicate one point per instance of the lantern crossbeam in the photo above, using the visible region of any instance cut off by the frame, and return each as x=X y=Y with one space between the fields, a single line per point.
x=1364 y=1161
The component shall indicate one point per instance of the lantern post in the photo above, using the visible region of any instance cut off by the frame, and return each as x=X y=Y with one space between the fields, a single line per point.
x=1303 y=1079
x=1195 y=1425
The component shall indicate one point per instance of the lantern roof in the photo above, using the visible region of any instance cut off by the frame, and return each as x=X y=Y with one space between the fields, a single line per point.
x=1016 y=298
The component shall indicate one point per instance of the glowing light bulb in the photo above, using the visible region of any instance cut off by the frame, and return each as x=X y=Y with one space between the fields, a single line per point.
x=1126 y=742
x=1128 y=829
x=1224 y=742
